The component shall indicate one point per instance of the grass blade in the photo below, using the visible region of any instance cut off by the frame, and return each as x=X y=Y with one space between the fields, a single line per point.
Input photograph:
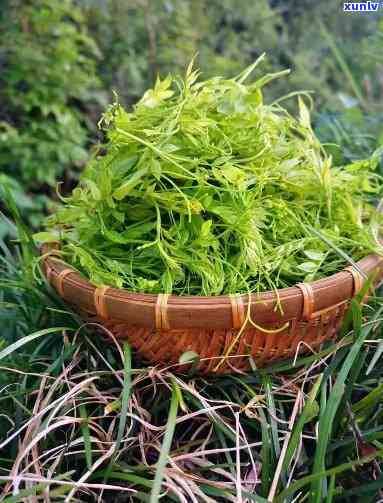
x=166 y=444
x=31 y=337
x=86 y=436
x=308 y=412
x=343 y=64
x=126 y=392
x=375 y=358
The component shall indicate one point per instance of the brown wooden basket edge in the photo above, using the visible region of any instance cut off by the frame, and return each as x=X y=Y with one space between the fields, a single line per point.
x=205 y=312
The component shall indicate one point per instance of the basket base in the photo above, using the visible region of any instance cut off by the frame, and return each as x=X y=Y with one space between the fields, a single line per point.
x=227 y=351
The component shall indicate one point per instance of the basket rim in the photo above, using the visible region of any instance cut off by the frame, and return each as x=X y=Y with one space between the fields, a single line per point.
x=296 y=302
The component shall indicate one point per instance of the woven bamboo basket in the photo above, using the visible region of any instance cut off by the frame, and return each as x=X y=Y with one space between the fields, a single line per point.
x=161 y=327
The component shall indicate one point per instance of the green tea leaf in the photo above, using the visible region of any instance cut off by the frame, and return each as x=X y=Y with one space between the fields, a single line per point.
x=205 y=189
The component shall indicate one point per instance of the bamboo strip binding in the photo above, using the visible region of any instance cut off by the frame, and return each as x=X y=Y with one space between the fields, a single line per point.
x=60 y=280
x=100 y=302
x=161 y=310
x=357 y=278
x=238 y=311
x=308 y=300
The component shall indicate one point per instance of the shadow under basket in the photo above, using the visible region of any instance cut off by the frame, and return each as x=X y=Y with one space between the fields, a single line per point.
x=162 y=327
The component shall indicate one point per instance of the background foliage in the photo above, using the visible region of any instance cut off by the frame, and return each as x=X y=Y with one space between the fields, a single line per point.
x=47 y=84
x=61 y=60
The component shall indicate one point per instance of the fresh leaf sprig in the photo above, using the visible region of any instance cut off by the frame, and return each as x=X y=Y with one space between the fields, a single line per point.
x=205 y=189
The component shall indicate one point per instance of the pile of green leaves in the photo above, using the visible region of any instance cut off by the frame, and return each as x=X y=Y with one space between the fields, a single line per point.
x=205 y=189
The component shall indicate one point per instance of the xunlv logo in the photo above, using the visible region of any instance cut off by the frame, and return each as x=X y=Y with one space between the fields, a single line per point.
x=360 y=6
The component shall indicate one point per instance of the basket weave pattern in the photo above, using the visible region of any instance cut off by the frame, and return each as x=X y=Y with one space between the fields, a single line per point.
x=161 y=328
x=263 y=347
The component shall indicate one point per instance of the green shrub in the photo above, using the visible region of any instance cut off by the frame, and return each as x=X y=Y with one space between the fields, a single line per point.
x=47 y=82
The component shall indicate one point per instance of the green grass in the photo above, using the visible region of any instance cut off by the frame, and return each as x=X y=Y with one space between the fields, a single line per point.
x=82 y=419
